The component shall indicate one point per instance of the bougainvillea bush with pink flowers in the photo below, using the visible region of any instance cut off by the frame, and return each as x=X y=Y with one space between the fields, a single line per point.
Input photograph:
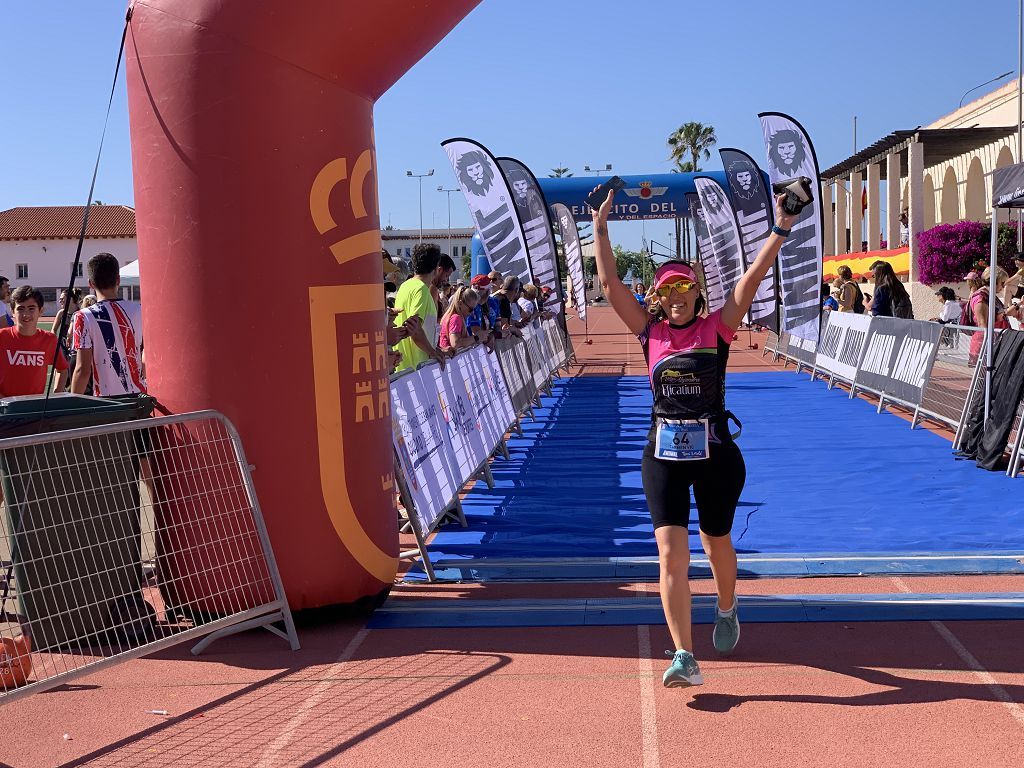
x=947 y=252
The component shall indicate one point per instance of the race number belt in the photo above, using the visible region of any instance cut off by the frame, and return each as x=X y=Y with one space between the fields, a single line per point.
x=681 y=440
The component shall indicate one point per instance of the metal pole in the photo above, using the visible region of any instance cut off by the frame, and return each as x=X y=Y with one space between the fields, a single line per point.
x=989 y=336
x=419 y=177
x=855 y=134
x=1020 y=108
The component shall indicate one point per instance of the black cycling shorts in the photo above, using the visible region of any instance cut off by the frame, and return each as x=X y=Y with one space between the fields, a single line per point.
x=716 y=481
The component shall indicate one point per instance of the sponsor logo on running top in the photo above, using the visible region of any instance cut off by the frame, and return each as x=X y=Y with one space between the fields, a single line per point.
x=675 y=383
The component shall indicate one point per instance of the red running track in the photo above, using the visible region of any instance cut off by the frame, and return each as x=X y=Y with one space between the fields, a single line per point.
x=859 y=694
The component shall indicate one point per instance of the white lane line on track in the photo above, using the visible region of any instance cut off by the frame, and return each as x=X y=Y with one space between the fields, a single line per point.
x=968 y=658
x=648 y=711
x=317 y=695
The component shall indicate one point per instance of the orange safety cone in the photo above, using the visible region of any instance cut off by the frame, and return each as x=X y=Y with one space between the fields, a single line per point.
x=15 y=661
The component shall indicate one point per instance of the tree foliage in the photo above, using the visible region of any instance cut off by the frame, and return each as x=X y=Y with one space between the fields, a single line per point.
x=560 y=173
x=691 y=141
x=641 y=263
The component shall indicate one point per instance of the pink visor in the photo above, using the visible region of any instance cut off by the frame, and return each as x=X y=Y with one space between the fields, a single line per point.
x=668 y=273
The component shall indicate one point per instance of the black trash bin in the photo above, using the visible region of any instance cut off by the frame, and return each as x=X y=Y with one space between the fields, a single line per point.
x=73 y=520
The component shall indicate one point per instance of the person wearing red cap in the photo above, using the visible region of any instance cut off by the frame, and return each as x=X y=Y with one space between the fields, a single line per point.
x=689 y=443
x=482 y=319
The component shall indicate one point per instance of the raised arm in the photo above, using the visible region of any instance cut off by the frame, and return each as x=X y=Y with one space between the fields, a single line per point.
x=619 y=296
x=742 y=296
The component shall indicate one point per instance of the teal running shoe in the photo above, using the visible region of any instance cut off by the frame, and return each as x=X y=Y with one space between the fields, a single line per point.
x=727 y=629
x=683 y=672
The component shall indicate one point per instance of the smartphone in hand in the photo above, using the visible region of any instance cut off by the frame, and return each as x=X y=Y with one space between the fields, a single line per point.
x=596 y=198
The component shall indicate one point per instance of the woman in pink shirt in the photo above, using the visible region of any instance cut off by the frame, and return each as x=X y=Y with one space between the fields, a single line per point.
x=689 y=443
x=454 y=335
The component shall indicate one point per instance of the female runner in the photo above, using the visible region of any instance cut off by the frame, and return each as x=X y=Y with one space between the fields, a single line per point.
x=689 y=444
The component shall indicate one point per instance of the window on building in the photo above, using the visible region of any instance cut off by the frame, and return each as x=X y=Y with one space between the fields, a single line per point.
x=78 y=271
x=22 y=271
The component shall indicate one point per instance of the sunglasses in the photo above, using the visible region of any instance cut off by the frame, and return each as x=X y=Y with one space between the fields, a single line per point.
x=680 y=286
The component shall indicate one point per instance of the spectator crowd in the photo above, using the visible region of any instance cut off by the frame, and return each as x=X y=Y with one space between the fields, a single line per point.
x=429 y=318
x=891 y=299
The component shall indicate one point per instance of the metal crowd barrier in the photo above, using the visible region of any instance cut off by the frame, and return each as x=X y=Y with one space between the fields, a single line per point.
x=1017 y=441
x=124 y=539
x=430 y=469
x=953 y=374
x=925 y=367
x=771 y=345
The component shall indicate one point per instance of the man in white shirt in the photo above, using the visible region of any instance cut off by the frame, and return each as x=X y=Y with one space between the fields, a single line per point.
x=108 y=336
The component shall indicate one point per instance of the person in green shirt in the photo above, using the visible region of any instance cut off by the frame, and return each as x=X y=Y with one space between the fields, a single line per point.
x=414 y=300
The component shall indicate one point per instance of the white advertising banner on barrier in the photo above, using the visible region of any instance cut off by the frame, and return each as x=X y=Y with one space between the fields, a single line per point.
x=463 y=426
x=483 y=398
x=538 y=362
x=501 y=398
x=842 y=344
x=421 y=445
x=545 y=345
x=556 y=341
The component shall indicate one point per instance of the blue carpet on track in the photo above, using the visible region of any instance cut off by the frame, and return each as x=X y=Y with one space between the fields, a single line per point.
x=825 y=474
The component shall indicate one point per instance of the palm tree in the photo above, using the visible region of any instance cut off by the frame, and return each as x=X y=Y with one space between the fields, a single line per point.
x=559 y=173
x=685 y=166
x=693 y=139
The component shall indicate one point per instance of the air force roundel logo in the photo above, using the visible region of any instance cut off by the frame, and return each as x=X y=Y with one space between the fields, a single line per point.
x=646 y=191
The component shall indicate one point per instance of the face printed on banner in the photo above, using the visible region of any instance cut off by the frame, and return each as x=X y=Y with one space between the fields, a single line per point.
x=474 y=173
x=714 y=202
x=741 y=180
x=521 y=188
x=786 y=152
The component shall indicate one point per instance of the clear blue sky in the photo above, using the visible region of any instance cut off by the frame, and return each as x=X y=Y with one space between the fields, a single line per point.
x=638 y=70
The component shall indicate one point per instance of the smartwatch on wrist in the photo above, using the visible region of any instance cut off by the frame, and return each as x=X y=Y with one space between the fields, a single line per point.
x=780 y=231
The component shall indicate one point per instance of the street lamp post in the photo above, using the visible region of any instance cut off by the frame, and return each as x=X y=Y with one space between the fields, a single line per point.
x=419 y=177
x=997 y=77
x=448 y=193
x=598 y=171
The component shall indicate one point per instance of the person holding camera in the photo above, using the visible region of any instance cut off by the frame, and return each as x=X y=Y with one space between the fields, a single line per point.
x=689 y=443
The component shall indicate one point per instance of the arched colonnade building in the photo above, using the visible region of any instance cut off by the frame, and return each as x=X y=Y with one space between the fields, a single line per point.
x=943 y=174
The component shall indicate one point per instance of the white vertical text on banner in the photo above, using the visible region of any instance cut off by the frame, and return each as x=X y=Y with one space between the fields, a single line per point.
x=755 y=212
x=489 y=199
x=712 y=276
x=540 y=238
x=723 y=231
x=791 y=154
x=573 y=257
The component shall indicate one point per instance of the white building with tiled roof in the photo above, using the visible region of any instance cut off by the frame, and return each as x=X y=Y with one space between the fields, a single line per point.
x=455 y=242
x=38 y=243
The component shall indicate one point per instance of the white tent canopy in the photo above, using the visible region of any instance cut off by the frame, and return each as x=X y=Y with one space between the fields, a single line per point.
x=1007 y=192
x=130 y=273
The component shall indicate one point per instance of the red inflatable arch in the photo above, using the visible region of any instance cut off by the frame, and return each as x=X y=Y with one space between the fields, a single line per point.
x=255 y=186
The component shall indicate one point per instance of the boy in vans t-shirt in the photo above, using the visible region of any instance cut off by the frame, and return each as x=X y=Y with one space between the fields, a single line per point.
x=26 y=352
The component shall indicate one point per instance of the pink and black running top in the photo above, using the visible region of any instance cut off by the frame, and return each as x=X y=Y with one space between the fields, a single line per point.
x=687 y=367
